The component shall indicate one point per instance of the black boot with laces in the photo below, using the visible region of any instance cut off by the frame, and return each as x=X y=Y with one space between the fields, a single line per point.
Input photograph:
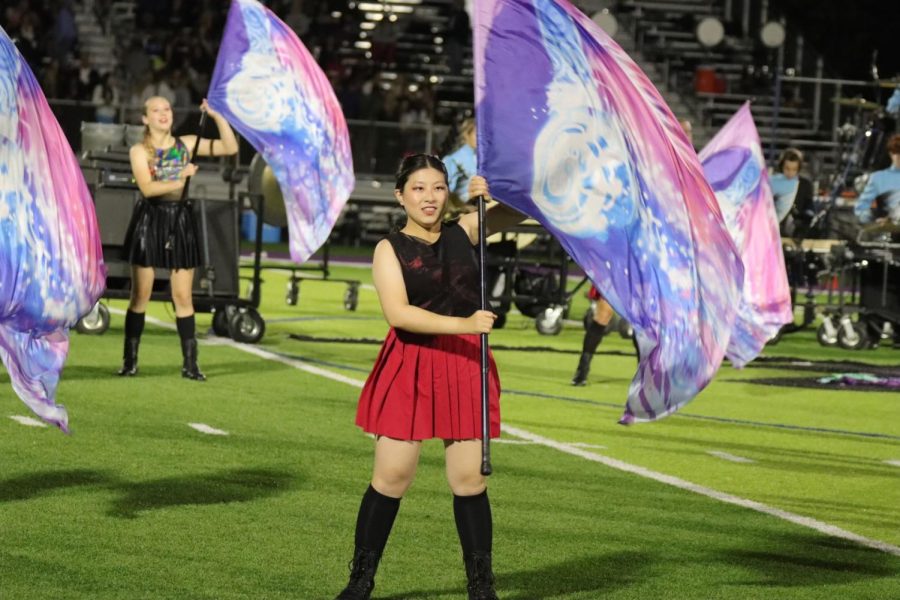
x=481 y=578
x=362 y=575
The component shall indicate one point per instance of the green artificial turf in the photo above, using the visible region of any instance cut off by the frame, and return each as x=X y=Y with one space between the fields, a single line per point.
x=136 y=504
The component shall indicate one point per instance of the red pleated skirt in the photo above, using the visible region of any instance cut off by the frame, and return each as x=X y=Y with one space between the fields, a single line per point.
x=428 y=386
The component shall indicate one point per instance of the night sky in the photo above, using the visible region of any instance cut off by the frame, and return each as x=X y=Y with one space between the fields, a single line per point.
x=846 y=32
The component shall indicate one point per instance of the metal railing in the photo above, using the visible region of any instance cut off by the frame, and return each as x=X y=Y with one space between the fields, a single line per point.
x=840 y=98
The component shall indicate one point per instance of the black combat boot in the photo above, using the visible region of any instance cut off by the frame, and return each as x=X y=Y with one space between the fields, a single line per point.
x=373 y=526
x=190 y=369
x=362 y=575
x=475 y=526
x=187 y=333
x=130 y=357
x=134 y=327
x=592 y=338
x=584 y=367
x=481 y=577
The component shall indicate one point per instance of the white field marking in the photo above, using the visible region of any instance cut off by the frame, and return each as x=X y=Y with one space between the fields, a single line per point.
x=148 y=318
x=251 y=349
x=820 y=526
x=204 y=428
x=809 y=522
x=530 y=443
x=730 y=457
x=27 y=421
x=893 y=463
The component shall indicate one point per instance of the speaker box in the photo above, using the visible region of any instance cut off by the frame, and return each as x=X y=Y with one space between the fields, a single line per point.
x=217 y=226
x=114 y=207
x=222 y=247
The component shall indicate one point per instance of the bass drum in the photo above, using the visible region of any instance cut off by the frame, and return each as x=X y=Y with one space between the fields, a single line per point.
x=262 y=183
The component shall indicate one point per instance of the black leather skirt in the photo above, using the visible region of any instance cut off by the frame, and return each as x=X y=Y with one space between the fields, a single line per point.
x=163 y=234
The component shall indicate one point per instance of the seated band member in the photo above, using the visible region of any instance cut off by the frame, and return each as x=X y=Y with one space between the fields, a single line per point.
x=881 y=196
x=793 y=194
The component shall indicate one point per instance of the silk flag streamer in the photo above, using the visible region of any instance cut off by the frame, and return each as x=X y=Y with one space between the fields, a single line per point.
x=269 y=88
x=581 y=141
x=735 y=168
x=51 y=262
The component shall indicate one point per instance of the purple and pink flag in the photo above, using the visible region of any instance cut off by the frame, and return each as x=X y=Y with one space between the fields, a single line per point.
x=735 y=168
x=269 y=88
x=51 y=261
x=582 y=141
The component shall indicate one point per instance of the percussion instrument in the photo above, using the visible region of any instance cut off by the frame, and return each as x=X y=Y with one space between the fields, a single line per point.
x=817 y=246
x=860 y=103
x=262 y=183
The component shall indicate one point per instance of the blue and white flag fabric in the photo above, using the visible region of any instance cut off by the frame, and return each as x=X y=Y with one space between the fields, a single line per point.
x=269 y=88
x=51 y=260
x=580 y=140
x=735 y=168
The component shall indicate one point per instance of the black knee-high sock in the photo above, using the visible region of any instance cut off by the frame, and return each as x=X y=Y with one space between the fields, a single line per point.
x=186 y=328
x=593 y=337
x=376 y=517
x=637 y=349
x=474 y=523
x=134 y=324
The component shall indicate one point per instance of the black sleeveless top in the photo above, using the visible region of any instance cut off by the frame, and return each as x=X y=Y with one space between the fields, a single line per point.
x=441 y=277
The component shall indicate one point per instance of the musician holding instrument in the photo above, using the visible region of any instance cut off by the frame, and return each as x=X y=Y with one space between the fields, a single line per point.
x=793 y=194
x=880 y=200
x=162 y=233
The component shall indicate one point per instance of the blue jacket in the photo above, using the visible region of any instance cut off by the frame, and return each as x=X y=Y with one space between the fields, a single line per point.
x=462 y=165
x=893 y=104
x=879 y=184
x=784 y=191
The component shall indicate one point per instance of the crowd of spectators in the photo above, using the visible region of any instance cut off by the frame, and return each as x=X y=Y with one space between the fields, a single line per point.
x=47 y=37
x=169 y=49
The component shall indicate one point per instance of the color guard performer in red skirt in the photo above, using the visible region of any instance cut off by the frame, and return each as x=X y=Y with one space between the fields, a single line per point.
x=426 y=380
x=596 y=330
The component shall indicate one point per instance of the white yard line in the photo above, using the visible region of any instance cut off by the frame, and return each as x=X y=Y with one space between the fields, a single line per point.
x=204 y=428
x=286 y=361
x=586 y=445
x=27 y=421
x=820 y=526
x=255 y=350
x=730 y=457
x=613 y=463
x=893 y=463
x=147 y=318
x=528 y=443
